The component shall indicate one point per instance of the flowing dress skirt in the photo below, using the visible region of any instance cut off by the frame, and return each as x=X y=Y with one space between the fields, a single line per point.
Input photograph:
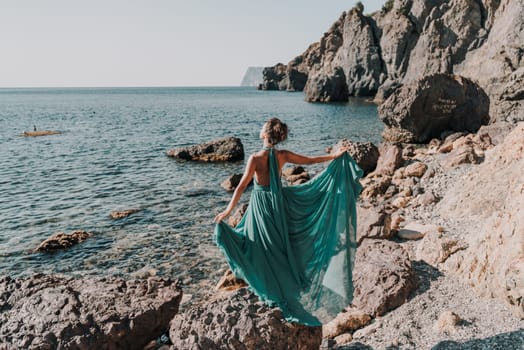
x=295 y=245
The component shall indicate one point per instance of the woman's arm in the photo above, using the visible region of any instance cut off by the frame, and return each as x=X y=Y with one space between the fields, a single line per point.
x=244 y=182
x=291 y=157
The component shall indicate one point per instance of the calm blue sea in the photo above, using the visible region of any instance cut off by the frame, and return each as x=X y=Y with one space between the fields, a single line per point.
x=111 y=155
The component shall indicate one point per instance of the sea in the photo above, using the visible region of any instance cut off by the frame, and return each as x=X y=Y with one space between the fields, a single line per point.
x=111 y=155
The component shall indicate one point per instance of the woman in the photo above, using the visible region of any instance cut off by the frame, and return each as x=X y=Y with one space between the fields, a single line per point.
x=295 y=245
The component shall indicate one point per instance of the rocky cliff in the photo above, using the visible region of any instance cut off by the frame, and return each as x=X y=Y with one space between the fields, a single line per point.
x=252 y=77
x=373 y=55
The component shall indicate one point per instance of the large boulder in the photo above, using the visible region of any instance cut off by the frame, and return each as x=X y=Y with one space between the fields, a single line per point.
x=51 y=312
x=492 y=194
x=383 y=276
x=364 y=153
x=423 y=109
x=228 y=149
x=238 y=320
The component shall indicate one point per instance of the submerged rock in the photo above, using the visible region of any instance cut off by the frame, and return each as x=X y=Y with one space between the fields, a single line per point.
x=62 y=240
x=52 y=312
x=238 y=320
x=228 y=149
x=123 y=213
x=40 y=133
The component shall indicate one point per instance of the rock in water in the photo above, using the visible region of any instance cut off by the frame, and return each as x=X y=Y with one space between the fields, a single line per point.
x=51 y=312
x=237 y=216
x=423 y=109
x=383 y=276
x=239 y=321
x=231 y=183
x=123 y=213
x=40 y=133
x=228 y=149
x=62 y=240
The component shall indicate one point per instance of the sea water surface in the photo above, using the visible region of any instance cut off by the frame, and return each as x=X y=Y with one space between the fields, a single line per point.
x=111 y=155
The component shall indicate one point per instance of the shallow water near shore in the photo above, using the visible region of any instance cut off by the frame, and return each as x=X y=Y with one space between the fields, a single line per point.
x=111 y=155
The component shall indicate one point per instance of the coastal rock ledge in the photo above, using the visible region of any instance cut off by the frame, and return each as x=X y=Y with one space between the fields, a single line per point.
x=54 y=312
x=238 y=320
x=227 y=149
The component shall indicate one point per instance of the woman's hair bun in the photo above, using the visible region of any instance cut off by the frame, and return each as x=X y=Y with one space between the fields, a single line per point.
x=276 y=130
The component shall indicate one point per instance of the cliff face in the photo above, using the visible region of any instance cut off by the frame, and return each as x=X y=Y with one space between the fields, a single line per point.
x=372 y=55
x=252 y=77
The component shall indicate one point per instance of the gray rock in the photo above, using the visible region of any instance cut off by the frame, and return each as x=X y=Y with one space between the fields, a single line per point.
x=238 y=320
x=231 y=183
x=446 y=35
x=272 y=77
x=295 y=175
x=496 y=131
x=359 y=55
x=237 y=216
x=366 y=154
x=390 y=158
x=327 y=86
x=252 y=77
x=225 y=149
x=51 y=312
x=498 y=65
x=373 y=223
x=383 y=276
x=425 y=108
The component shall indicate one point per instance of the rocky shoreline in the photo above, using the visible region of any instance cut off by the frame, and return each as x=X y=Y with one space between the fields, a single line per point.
x=440 y=263
x=417 y=285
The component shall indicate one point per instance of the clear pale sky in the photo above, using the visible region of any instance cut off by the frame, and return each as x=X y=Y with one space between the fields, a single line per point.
x=48 y=43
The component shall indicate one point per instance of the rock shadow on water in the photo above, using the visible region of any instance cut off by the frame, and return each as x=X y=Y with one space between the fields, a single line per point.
x=503 y=341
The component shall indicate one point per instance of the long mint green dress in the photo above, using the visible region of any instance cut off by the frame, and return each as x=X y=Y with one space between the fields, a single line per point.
x=295 y=245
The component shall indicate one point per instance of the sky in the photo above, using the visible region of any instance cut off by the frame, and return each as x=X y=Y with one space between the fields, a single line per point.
x=113 y=43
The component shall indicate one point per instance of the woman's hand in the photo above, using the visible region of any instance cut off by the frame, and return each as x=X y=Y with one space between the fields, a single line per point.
x=340 y=152
x=221 y=216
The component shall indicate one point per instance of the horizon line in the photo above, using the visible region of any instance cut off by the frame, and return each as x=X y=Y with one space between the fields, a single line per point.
x=118 y=87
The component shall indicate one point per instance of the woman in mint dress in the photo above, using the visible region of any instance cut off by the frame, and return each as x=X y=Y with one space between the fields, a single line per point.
x=295 y=245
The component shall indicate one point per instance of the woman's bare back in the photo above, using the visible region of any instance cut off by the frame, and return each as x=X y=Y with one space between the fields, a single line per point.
x=261 y=162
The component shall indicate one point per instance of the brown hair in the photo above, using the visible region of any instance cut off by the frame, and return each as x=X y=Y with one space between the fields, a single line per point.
x=276 y=131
